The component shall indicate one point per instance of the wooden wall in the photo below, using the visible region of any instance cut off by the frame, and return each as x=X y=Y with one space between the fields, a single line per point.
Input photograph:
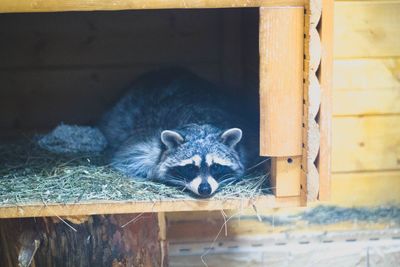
x=71 y=66
x=366 y=102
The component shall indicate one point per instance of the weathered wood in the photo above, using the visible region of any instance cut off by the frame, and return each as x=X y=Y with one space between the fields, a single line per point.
x=281 y=81
x=112 y=240
x=87 y=5
x=372 y=31
x=368 y=143
x=325 y=78
x=287 y=173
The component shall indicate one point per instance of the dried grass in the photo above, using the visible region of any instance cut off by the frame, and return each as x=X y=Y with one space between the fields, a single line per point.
x=29 y=174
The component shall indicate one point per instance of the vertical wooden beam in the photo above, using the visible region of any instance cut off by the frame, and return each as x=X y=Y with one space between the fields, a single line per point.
x=281 y=45
x=325 y=77
x=281 y=80
x=287 y=172
x=162 y=238
x=312 y=101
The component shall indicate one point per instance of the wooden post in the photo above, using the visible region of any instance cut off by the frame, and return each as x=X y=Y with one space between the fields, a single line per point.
x=324 y=161
x=281 y=40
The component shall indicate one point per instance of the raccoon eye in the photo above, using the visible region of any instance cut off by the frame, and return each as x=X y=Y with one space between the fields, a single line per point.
x=219 y=171
x=189 y=171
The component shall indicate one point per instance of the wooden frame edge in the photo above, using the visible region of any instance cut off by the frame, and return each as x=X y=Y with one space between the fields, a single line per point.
x=325 y=116
x=119 y=207
x=12 y=6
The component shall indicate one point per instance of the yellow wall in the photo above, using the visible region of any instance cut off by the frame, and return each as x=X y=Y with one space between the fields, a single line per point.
x=366 y=103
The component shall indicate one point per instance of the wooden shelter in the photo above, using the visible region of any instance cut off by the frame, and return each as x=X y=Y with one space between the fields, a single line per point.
x=55 y=62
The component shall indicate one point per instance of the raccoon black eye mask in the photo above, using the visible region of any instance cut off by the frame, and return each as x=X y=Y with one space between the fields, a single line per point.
x=198 y=158
x=208 y=168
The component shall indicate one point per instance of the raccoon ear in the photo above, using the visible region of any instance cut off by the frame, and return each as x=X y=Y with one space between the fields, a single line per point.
x=171 y=139
x=231 y=137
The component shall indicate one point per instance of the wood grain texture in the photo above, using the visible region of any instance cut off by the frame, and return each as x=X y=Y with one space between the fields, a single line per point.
x=287 y=173
x=366 y=102
x=281 y=81
x=88 y=5
x=108 y=240
x=113 y=207
x=367 y=29
x=325 y=78
x=370 y=143
x=366 y=74
x=366 y=87
x=366 y=188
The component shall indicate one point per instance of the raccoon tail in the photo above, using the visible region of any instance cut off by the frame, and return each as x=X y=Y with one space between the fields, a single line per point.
x=73 y=139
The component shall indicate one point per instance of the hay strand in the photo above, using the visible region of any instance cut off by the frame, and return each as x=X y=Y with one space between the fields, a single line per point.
x=29 y=174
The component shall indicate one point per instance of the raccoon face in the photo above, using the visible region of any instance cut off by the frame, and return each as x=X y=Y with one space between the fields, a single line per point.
x=201 y=162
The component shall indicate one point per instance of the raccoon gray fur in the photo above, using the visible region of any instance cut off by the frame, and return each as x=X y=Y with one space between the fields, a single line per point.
x=178 y=129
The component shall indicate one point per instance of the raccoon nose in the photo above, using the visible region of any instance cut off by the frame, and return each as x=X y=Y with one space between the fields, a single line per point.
x=204 y=189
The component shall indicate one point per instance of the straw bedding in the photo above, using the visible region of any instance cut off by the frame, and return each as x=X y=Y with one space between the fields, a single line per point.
x=29 y=174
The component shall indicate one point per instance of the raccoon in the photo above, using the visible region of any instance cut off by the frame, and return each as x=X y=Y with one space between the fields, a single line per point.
x=179 y=129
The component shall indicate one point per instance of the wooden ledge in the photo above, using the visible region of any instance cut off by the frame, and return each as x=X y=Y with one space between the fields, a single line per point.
x=12 y=6
x=120 y=207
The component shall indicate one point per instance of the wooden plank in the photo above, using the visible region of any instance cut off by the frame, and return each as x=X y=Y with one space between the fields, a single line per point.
x=366 y=189
x=325 y=77
x=287 y=172
x=115 y=207
x=374 y=81
x=366 y=74
x=367 y=29
x=281 y=99
x=110 y=39
x=366 y=102
x=368 y=143
x=87 y=5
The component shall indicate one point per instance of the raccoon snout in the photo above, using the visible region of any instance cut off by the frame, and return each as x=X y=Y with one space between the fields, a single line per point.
x=204 y=189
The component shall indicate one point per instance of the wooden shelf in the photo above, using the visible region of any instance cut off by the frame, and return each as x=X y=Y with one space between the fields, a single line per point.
x=120 y=207
x=11 y=6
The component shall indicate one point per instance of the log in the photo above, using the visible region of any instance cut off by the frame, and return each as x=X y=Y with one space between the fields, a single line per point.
x=105 y=240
